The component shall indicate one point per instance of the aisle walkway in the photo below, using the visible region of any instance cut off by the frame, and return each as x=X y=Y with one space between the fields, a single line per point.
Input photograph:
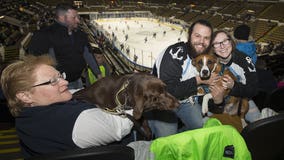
x=9 y=145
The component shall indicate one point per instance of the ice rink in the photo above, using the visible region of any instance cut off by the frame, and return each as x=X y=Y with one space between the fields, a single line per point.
x=142 y=38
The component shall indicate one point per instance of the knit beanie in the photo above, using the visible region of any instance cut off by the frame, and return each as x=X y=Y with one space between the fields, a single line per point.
x=242 y=32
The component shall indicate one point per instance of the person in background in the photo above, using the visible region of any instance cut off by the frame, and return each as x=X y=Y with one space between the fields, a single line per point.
x=267 y=82
x=47 y=119
x=104 y=67
x=67 y=44
x=2 y=66
x=243 y=44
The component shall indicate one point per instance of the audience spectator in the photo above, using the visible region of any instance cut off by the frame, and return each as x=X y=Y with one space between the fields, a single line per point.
x=65 y=41
x=242 y=67
x=47 y=118
x=104 y=67
x=280 y=83
x=266 y=83
x=266 y=80
x=174 y=68
x=243 y=44
x=2 y=66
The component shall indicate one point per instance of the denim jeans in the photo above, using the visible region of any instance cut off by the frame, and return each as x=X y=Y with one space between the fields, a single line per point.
x=189 y=114
x=191 y=117
x=253 y=112
x=162 y=128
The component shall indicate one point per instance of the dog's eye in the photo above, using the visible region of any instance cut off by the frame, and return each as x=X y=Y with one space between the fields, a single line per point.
x=200 y=63
x=210 y=62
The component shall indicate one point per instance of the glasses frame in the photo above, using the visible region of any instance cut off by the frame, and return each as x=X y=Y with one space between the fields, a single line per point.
x=52 y=81
x=224 y=43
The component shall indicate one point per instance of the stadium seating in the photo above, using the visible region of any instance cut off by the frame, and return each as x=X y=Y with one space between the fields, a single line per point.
x=264 y=138
x=117 y=152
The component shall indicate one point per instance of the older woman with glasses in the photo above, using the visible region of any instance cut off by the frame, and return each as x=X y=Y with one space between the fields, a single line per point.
x=241 y=66
x=47 y=119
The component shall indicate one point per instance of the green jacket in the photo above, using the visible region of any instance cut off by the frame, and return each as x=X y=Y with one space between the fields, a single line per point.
x=212 y=142
x=92 y=77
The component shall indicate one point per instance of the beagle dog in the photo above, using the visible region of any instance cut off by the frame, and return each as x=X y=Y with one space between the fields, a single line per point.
x=208 y=63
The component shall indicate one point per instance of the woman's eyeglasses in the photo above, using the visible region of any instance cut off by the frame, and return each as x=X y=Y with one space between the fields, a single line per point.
x=218 y=44
x=53 y=81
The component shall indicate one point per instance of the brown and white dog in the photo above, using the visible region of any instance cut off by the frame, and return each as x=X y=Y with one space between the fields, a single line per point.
x=139 y=91
x=207 y=64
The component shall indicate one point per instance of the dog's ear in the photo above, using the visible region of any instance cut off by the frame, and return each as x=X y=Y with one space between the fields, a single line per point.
x=139 y=102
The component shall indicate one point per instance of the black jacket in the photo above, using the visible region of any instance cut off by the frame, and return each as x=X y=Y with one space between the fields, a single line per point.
x=68 y=49
x=175 y=69
x=46 y=129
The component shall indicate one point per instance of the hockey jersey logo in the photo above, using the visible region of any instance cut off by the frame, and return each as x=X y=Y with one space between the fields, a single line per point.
x=175 y=55
x=251 y=66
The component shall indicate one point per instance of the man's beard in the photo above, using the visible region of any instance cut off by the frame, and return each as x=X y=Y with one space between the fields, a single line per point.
x=192 y=51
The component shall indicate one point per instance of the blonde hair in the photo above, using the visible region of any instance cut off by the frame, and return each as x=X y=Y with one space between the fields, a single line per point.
x=19 y=76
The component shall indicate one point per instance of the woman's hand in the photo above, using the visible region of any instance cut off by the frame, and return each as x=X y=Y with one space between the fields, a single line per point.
x=227 y=82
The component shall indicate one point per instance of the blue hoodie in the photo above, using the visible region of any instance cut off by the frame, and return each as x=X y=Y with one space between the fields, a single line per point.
x=249 y=48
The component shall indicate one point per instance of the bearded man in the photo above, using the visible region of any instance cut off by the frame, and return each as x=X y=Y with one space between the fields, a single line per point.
x=174 y=68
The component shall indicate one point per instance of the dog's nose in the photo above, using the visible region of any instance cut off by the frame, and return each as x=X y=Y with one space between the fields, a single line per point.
x=205 y=72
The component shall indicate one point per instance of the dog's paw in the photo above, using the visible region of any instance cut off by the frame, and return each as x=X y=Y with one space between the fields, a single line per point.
x=204 y=110
x=205 y=103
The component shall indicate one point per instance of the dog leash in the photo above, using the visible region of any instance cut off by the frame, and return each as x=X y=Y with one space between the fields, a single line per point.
x=120 y=108
x=116 y=111
x=123 y=87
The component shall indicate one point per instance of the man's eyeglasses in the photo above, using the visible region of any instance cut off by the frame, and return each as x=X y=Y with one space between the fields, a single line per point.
x=52 y=81
x=218 y=44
